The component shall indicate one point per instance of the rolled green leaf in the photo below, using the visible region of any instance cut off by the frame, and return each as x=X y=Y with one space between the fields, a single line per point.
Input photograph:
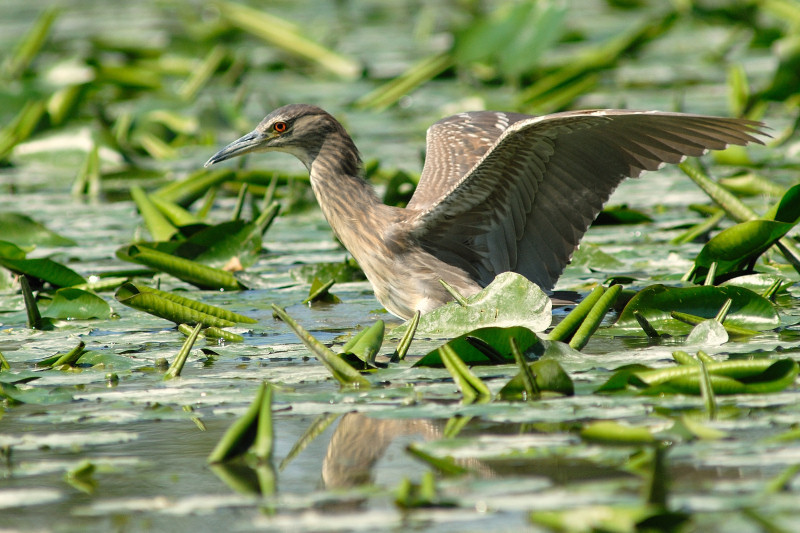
x=697 y=320
x=195 y=186
x=471 y=387
x=367 y=343
x=405 y=341
x=201 y=276
x=595 y=316
x=71 y=357
x=707 y=391
x=345 y=374
x=242 y=433
x=202 y=74
x=286 y=36
x=212 y=333
x=727 y=377
x=564 y=330
x=445 y=465
x=176 y=367
x=29 y=46
x=153 y=302
x=160 y=228
x=526 y=374
x=31 y=308
x=610 y=432
x=265 y=435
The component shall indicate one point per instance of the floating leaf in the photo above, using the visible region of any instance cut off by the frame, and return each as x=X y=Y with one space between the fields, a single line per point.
x=728 y=377
x=510 y=300
x=498 y=339
x=22 y=230
x=45 y=270
x=77 y=304
x=217 y=245
x=176 y=308
x=345 y=374
x=202 y=276
x=735 y=248
x=549 y=376
x=748 y=309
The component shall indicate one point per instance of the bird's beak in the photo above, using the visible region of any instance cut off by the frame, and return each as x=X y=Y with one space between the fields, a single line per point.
x=249 y=143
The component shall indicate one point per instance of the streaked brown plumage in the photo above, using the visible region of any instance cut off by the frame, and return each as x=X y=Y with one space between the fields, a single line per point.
x=499 y=191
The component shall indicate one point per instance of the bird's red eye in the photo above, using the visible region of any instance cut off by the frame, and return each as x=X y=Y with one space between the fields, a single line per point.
x=279 y=127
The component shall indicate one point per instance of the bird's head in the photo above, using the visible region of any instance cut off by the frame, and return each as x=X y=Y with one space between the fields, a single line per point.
x=298 y=129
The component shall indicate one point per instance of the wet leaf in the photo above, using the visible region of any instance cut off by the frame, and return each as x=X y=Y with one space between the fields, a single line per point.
x=77 y=304
x=175 y=308
x=510 y=300
x=748 y=309
x=499 y=339
x=550 y=377
x=22 y=230
x=45 y=270
x=727 y=377
x=735 y=248
x=202 y=276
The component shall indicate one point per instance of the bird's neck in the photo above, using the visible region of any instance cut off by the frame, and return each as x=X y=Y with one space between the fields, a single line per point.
x=348 y=201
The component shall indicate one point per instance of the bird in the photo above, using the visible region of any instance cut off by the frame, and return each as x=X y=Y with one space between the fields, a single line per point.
x=498 y=192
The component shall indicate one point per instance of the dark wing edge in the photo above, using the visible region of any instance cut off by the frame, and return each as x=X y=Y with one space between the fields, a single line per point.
x=525 y=204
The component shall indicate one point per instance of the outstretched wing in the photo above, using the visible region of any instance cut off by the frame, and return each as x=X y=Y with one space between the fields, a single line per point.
x=454 y=145
x=524 y=204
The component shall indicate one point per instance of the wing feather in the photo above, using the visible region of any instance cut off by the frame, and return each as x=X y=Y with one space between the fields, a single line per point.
x=503 y=191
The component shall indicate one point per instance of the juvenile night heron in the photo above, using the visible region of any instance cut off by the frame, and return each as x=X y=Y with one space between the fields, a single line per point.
x=499 y=191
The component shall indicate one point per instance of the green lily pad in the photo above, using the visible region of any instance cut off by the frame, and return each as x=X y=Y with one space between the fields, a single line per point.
x=510 y=300
x=497 y=339
x=735 y=248
x=748 y=309
x=46 y=270
x=71 y=303
x=22 y=230
x=217 y=245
